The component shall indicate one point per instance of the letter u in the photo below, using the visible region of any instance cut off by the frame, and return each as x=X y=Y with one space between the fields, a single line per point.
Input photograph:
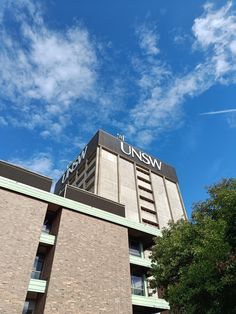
x=123 y=150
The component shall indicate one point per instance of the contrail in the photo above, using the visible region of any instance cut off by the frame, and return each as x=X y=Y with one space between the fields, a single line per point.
x=218 y=112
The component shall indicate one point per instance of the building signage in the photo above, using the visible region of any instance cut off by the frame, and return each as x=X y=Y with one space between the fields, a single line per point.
x=143 y=157
x=74 y=165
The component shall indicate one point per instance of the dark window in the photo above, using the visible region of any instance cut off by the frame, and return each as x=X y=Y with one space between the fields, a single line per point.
x=29 y=307
x=38 y=266
x=47 y=225
x=46 y=228
x=134 y=248
x=137 y=285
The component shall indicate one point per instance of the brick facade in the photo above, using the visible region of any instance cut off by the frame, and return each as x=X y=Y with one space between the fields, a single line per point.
x=21 y=219
x=90 y=271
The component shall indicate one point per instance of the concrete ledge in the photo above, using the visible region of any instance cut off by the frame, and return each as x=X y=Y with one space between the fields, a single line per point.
x=37 y=285
x=140 y=261
x=76 y=206
x=150 y=302
x=47 y=238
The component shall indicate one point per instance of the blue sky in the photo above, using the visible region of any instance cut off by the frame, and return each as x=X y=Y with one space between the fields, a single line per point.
x=162 y=73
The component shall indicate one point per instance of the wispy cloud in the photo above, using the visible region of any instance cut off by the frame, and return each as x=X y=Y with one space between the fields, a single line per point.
x=162 y=93
x=218 y=112
x=41 y=163
x=43 y=72
x=148 y=39
x=215 y=34
x=3 y=121
x=50 y=78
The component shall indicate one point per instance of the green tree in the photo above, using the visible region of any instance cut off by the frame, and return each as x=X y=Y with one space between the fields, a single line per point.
x=195 y=261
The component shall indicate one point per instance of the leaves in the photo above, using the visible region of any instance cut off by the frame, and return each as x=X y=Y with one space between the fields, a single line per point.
x=195 y=261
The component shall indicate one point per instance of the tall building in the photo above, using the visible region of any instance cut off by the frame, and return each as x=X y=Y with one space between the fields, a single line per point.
x=85 y=248
x=113 y=169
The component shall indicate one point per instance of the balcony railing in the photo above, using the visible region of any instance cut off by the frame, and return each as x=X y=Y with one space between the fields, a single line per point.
x=36 y=274
x=137 y=291
x=134 y=252
x=46 y=228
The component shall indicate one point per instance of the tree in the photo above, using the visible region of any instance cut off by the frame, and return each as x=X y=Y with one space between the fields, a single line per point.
x=195 y=261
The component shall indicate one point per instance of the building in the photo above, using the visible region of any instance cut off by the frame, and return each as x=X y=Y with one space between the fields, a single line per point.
x=84 y=249
x=111 y=168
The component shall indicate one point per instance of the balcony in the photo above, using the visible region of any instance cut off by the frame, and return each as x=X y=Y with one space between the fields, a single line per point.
x=36 y=274
x=47 y=238
x=148 y=304
x=137 y=284
x=144 y=262
x=144 y=299
x=37 y=285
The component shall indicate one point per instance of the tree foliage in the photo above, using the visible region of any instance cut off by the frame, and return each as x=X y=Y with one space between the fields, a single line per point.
x=195 y=261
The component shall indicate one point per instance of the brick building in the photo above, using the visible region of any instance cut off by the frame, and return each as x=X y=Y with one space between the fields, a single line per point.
x=84 y=249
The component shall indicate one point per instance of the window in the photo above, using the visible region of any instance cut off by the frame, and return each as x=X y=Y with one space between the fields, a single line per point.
x=137 y=285
x=148 y=222
x=47 y=225
x=46 y=228
x=134 y=248
x=151 y=211
x=29 y=307
x=38 y=266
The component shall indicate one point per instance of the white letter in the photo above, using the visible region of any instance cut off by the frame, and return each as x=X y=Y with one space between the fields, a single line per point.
x=145 y=158
x=155 y=162
x=122 y=148
x=82 y=155
x=63 y=178
x=137 y=154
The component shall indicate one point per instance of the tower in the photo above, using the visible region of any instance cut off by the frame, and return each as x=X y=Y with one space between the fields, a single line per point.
x=113 y=169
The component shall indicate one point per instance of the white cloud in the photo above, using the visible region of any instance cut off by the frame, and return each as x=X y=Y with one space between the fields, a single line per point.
x=47 y=76
x=52 y=79
x=215 y=32
x=214 y=27
x=162 y=93
x=41 y=163
x=219 y=112
x=179 y=39
x=3 y=121
x=148 y=39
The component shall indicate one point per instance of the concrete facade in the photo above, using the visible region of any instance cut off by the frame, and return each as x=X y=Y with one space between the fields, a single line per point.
x=115 y=170
x=21 y=220
x=91 y=263
x=148 y=197
x=128 y=188
x=160 y=196
x=108 y=177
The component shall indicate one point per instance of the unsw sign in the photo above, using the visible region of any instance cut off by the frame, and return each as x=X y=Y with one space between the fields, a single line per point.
x=143 y=157
x=74 y=165
x=126 y=149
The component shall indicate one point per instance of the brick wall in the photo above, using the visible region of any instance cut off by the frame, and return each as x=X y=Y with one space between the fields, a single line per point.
x=21 y=219
x=90 y=272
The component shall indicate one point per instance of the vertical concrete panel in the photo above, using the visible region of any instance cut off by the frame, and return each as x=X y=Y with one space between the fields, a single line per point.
x=128 y=194
x=90 y=272
x=175 y=202
x=21 y=219
x=161 y=201
x=108 y=183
